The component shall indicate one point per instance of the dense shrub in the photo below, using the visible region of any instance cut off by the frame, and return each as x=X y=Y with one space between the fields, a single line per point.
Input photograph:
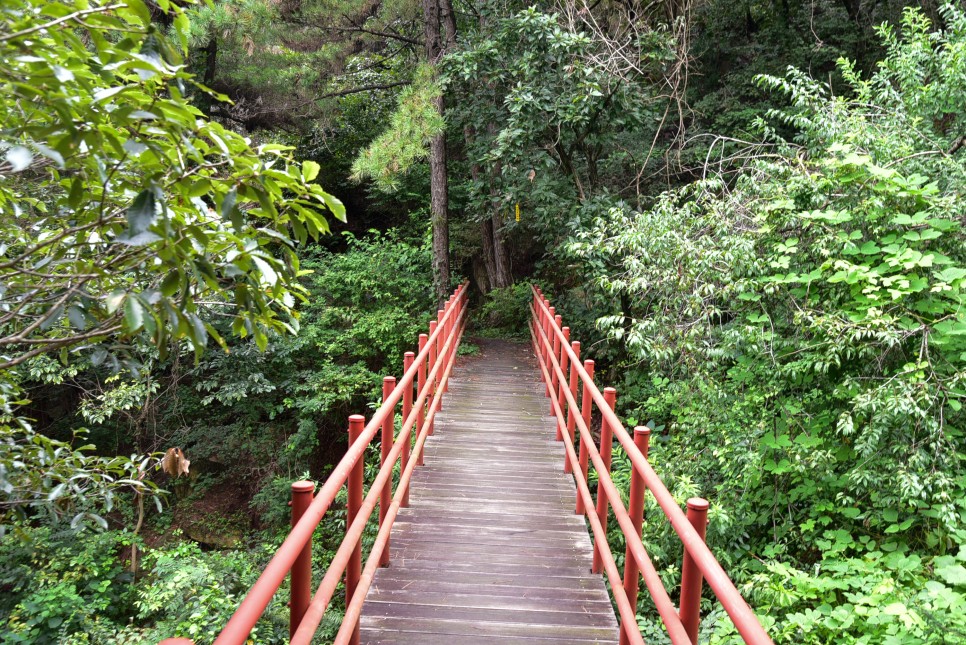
x=799 y=327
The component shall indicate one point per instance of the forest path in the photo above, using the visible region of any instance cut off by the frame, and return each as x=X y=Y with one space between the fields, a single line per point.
x=490 y=550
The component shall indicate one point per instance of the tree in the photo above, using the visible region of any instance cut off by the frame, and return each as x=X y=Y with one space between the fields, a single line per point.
x=126 y=214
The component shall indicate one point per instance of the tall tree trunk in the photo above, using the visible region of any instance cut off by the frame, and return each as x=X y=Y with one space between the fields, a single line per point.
x=486 y=225
x=448 y=19
x=486 y=241
x=211 y=61
x=500 y=276
x=439 y=197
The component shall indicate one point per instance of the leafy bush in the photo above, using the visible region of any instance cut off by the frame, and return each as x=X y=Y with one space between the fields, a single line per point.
x=505 y=312
x=800 y=328
x=68 y=587
x=284 y=406
x=56 y=584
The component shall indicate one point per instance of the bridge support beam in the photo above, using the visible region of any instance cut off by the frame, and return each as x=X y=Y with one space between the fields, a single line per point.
x=433 y=357
x=564 y=362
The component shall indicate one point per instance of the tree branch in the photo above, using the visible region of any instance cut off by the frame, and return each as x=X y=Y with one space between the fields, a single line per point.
x=383 y=34
x=53 y=23
x=357 y=90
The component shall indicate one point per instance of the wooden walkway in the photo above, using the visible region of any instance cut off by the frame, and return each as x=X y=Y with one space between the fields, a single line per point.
x=490 y=550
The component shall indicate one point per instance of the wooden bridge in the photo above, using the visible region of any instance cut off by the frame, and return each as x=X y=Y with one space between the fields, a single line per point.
x=486 y=537
x=490 y=550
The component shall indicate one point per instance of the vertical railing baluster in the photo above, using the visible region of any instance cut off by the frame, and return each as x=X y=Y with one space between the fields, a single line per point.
x=586 y=404
x=571 y=412
x=301 y=583
x=440 y=343
x=388 y=430
x=635 y=509
x=606 y=446
x=547 y=320
x=433 y=358
x=450 y=325
x=407 y=411
x=408 y=359
x=354 y=502
x=691 y=578
x=421 y=384
x=556 y=356
x=564 y=362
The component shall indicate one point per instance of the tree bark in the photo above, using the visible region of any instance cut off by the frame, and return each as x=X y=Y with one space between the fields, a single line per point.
x=483 y=278
x=211 y=61
x=439 y=197
x=500 y=276
x=439 y=209
x=486 y=241
x=448 y=19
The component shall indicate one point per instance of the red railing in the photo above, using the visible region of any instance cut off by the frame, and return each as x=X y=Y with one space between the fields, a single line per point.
x=429 y=370
x=556 y=353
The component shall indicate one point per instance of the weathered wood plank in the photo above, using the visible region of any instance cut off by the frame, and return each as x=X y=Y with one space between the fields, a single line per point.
x=490 y=550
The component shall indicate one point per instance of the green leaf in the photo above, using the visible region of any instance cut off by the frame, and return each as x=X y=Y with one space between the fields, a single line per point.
x=310 y=170
x=141 y=213
x=950 y=571
x=266 y=270
x=336 y=206
x=133 y=314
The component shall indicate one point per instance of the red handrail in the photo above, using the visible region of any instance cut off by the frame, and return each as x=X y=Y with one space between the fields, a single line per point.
x=439 y=349
x=554 y=351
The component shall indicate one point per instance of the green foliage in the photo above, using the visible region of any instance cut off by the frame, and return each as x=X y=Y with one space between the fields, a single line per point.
x=128 y=218
x=190 y=593
x=542 y=98
x=799 y=326
x=505 y=312
x=56 y=479
x=56 y=585
x=143 y=214
x=368 y=305
x=414 y=123
x=62 y=589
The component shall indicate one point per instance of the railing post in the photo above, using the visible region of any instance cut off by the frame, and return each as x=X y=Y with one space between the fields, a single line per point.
x=586 y=403
x=564 y=362
x=606 y=446
x=301 y=583
x=548 y=330
x=691 y=578
x=635 y=509
x=545 y=324
x=440 y=354
x=450 y=326
x=433 y=358
x=388 y=430
x=556 y=358
x=353 y=568
x=571 y=418
x=420 y=384
x=407 y=411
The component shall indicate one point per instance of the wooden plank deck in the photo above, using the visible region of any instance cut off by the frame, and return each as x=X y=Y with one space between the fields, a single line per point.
x=490 y=550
